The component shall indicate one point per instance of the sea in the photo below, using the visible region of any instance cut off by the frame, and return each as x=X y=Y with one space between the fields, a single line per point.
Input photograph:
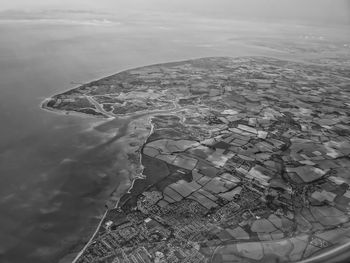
x=56 y=170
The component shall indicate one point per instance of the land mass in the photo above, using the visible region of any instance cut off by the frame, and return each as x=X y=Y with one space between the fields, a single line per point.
x=232 y=160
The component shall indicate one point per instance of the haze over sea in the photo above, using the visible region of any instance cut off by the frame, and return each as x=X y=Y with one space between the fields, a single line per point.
x=54 y=179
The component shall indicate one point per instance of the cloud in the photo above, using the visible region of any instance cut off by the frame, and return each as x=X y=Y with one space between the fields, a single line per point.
x=325 y=11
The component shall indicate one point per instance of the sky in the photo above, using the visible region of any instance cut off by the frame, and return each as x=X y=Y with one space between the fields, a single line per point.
x=319 y=11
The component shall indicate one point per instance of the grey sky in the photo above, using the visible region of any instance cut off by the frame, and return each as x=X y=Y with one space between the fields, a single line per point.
x=312 y=10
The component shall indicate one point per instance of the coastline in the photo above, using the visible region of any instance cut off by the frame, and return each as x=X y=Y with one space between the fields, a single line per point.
x=132 y=181
x=91 y=239
x=115 y=192
x=43 y=106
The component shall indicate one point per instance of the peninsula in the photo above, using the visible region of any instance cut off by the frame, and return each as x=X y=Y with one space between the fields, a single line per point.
x=232 y=160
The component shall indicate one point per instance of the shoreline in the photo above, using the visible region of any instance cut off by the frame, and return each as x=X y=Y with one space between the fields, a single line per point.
x=140 y=176
x=81 y=252
x=43 y=106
